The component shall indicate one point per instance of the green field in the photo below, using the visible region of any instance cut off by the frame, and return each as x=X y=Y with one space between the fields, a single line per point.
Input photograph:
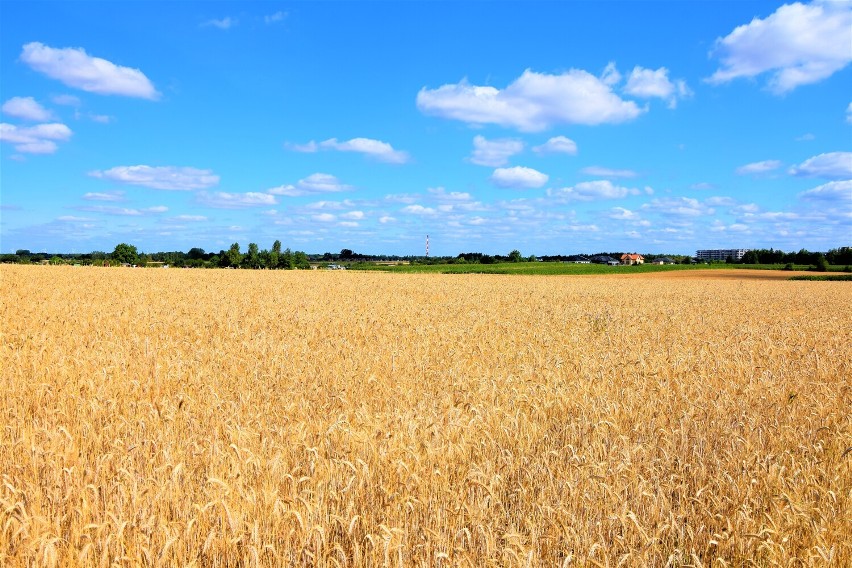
x=560 y=268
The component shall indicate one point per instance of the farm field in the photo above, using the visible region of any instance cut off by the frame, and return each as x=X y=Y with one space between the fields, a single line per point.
x=570 y=269
x=345 y=418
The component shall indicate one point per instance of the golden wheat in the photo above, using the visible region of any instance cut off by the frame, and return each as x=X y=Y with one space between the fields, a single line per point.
x=246 y=418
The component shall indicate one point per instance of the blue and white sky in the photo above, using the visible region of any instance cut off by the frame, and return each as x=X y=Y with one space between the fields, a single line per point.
x=548 y=127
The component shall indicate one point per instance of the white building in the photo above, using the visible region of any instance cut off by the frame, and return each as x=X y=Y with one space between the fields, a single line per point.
x=720 y=254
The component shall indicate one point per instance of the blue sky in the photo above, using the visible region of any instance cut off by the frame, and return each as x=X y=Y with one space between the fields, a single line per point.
x=552 y=127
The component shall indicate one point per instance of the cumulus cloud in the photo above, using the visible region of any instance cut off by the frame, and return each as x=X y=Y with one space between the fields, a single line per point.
x=608 y=172
x=26 y=108
x=353 y=215
x=557 y=145
x=649 y=83
x=518 y=177
x=38 y=139
x=849 y=113
x=160 y=177
x=494 y=153
x=622 y=214
x=593 y=191
x=834 y=191
x=75 y=68
x=311 y=185
x=376 y=149
x=190 y=218
x=833 y=165
x=223 y=23
x=276 y=17
x=443 y=194
x=798 y=44
x=533 y=102
x=124 y=211
x=104 y=196
x=678 y=207
x=225 y=200
x=418 y=210
x=757 y=168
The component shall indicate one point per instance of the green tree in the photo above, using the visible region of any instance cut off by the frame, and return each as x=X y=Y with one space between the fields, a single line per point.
x=234 y=255
x=252 y=257
x=275 y=255
x=751 y=257
x=821 y=264
x=515 y=256
x=300 y=261
x=125 y=254
x=196 y=254
x=286 y=261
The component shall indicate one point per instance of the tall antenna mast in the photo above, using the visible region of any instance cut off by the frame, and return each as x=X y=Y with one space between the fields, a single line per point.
x=427 y=246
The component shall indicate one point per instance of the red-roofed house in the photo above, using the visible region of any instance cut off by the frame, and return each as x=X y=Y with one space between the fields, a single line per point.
x=632 y=259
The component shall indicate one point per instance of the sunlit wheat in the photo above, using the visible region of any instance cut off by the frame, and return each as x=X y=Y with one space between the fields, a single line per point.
x=278 y=418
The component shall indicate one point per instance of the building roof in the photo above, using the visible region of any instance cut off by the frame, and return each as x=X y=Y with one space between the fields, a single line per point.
x=632 y=256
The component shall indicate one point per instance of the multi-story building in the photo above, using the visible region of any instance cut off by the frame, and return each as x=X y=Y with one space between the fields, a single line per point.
x=720 y=254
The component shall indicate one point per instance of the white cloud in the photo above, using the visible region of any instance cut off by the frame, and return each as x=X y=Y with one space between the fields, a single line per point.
x=494 y=153
x=608 y=172
x=533 y=102
x=833 y=165
x=678 y=207
x=38 y=139
x=324 y=218
x=444 y=195
x=223 y=23
x=610 y=75
x=160 y=177
x=386 y=219
x=225 y=200
x=622 y=214
x=834 y=191
x=593 y=191
x=807 y=137
x=849 y=113
x=353 y=215
x=124 y=211
x=648 y=83
x=756 y=168
x=75 y=68
x=311 y=185
x=518 y=177
x=798 y=44
x=720 y=200
x=107 y=196
x=26 y=108
x=557 y=145
x=74 y=219
x=376 y=149
x=418 y=210
x=193 y=218
x=276 y=17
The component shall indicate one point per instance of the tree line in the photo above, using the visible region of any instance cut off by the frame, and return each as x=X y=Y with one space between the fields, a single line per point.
x=286 y=259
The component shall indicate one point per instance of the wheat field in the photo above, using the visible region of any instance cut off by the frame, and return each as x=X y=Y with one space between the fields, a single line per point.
x=285 y=418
